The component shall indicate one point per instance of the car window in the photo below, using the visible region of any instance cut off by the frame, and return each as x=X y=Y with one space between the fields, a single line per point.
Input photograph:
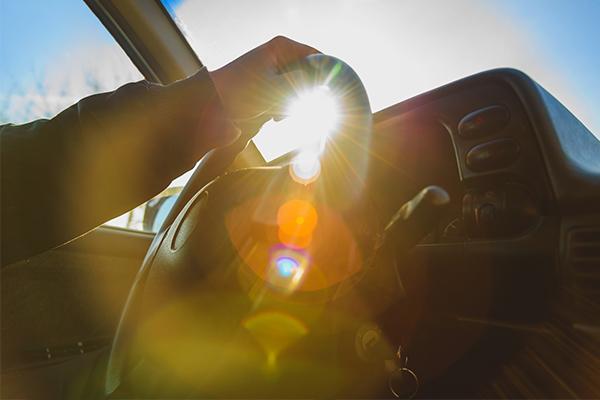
x=47 y=65
x=403 y=48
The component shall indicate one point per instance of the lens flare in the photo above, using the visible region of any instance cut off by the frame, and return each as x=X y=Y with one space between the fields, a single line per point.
x=310 y=117
x=297 y=220
x=317 y=110
x=286 y=266
x=305 y=168
x=275 y=331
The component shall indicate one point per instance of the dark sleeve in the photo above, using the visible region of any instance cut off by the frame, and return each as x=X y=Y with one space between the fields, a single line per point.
x=100 y=158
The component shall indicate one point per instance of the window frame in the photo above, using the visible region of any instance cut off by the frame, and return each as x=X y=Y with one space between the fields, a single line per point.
x=151 y=39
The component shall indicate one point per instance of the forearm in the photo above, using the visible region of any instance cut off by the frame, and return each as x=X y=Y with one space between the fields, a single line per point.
x=99 y=158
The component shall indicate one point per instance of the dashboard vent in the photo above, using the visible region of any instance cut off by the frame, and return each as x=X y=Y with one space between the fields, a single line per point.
x=583 y=259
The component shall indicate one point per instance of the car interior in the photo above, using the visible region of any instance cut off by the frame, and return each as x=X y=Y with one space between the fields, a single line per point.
x=454 y=252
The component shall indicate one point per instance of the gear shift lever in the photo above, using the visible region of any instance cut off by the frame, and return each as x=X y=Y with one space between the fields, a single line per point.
x=413 y=221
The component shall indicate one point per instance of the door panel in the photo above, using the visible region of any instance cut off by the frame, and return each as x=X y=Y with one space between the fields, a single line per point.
x=61 y=305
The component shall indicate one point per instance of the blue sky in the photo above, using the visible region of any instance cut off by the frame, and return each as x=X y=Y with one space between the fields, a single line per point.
x=564 y=34
x=569 y=32
x=33 y=32
x=52 y=53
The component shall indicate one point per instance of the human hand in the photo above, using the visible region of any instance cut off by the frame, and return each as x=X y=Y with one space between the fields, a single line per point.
x=250 y=85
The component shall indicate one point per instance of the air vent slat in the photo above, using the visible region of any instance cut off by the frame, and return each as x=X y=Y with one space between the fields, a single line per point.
x=583 y=275
x=586 y=236
x=585 y=266
x=585 y=251
x=583 y=259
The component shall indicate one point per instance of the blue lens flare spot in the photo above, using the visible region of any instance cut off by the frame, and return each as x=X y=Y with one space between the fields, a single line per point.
x=286 y=266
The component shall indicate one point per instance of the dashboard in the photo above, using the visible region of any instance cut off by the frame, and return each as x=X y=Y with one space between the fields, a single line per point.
x=522 y=229
x=524 y=178
x=475 y=139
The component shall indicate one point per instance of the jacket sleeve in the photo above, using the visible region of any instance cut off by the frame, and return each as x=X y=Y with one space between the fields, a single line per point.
x=99 y=158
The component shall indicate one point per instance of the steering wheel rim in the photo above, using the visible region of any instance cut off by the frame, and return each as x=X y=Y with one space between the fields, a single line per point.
x=315 y=69
x=316 y=65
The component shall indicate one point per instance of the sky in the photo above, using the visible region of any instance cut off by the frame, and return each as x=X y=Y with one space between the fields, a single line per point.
x=400 y=48
x=53 y=53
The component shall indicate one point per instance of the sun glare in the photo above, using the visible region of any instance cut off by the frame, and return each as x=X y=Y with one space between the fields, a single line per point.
x=315 y=114
x=310 y=117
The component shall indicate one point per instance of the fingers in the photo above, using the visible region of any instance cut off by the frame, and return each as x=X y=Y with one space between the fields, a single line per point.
x=250 y=86
x=287 y=51
x=286 y=54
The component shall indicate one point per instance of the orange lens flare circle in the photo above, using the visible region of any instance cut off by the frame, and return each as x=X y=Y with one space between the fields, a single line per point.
x=296 y=220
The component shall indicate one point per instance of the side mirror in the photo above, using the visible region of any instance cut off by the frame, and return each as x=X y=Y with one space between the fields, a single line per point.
x=156 y=211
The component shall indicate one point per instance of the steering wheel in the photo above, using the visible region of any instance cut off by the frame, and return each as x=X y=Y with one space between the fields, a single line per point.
x=266 y=281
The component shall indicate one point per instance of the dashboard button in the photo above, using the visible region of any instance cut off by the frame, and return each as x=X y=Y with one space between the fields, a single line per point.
x=484 y=121
x=495 y=154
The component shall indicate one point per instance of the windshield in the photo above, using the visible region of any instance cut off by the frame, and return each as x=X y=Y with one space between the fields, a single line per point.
x=403 y=48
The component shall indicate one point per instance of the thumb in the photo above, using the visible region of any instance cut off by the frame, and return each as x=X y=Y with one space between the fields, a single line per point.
x=229 y=134
x=222 y=133
x=215 y=129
